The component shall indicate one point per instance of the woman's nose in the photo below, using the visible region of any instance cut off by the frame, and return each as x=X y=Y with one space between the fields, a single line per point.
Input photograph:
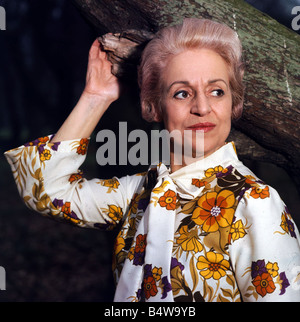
x=201 y=105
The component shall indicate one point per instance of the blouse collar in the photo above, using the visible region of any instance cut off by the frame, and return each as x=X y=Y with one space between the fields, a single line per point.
x=217 y=161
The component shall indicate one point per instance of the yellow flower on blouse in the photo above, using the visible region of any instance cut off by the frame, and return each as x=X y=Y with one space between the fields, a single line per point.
x=115 y=213
x=272 y=269
x=189 y=240
x=45 y=155
x=112 y=184
x=213 y=265
x=157 y=273
x=211 y=171
x=237 y=230
x=131 y=253
x=119 y=245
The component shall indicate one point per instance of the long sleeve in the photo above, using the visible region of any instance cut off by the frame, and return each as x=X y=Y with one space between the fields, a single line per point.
x=265 y=250
x=50 y=182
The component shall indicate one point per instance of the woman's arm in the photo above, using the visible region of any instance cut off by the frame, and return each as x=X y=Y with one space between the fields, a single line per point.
x=101 y=89
x=47 y=171
x=265 y=248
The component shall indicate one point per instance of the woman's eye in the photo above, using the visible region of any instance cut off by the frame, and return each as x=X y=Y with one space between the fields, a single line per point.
x=217 y=92
x=181 y=95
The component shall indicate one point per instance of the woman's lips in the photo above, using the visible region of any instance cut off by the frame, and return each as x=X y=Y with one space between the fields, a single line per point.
x=205 y=127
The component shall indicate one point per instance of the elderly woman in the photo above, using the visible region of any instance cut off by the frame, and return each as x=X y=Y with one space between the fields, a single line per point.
x=205 y=231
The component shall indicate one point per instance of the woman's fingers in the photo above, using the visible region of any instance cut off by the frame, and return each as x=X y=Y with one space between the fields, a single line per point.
x=99 y=78
x=96 y=51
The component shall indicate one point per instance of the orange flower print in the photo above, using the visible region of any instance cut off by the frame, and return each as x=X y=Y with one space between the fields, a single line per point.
x=68 y=214
x=66 y=208
x=43 y=140
x=139 y=250
x=150 y=288
x=260 y=193
x=198 y=183
x=76 y=176
x=264 y=284
x=140 y=243
x=168 y=200
x=82 y=149
x=214 y=210
x=250 y=179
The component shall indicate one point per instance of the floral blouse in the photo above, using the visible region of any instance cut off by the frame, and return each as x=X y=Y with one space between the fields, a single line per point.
x=232 y=237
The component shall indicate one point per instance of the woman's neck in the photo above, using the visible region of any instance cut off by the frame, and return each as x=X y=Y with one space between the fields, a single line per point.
x=177 y=163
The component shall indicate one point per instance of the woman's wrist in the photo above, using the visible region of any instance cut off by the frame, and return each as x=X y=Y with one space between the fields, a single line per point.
x=83 y=119
x=95 y=100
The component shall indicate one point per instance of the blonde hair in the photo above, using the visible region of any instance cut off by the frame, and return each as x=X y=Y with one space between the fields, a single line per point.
x=191 y=34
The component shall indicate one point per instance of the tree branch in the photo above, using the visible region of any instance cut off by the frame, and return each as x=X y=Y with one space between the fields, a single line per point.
x=269 y=128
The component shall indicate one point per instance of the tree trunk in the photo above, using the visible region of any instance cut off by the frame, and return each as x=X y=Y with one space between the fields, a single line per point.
x=269 y=128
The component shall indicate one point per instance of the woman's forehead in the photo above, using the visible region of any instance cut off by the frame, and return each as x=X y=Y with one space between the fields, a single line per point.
x=196 y=65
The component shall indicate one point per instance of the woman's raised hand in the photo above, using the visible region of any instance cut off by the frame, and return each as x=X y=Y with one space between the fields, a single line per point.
x=101 y=89
x=100 y=82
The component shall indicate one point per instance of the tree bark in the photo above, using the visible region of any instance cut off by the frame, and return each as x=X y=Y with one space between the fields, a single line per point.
x=269 y=128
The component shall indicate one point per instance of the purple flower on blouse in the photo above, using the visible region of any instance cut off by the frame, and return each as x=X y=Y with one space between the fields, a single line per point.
x=58 y=203
x=147 y=270
x=224 y=173
x=138 y=259
x=41 y=148
x=32 y=143
x=284 y=282
x=258 y=268
x=139 y=294
x=291 y=228
x=167 y=287
x=41 y=142
x=55 y=145
x=73 y=215
x=174 y=263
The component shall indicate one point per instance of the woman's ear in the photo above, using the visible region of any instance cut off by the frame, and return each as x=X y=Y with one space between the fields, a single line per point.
x=157 y=113
x=237 y=111
x=151 y=113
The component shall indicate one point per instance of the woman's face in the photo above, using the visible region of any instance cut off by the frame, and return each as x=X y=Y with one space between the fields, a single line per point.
x=197 y=96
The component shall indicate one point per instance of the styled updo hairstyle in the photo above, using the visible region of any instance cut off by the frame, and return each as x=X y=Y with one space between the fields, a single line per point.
x=191 y=34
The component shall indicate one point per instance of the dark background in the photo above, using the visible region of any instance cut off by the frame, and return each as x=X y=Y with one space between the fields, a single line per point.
x=43 y=59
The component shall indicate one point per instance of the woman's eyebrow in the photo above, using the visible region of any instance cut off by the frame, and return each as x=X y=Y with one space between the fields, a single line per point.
x=217 y=80
x=178 y=82
x=188 y=83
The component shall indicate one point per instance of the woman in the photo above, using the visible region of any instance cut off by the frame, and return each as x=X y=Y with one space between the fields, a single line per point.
x=205 y=231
